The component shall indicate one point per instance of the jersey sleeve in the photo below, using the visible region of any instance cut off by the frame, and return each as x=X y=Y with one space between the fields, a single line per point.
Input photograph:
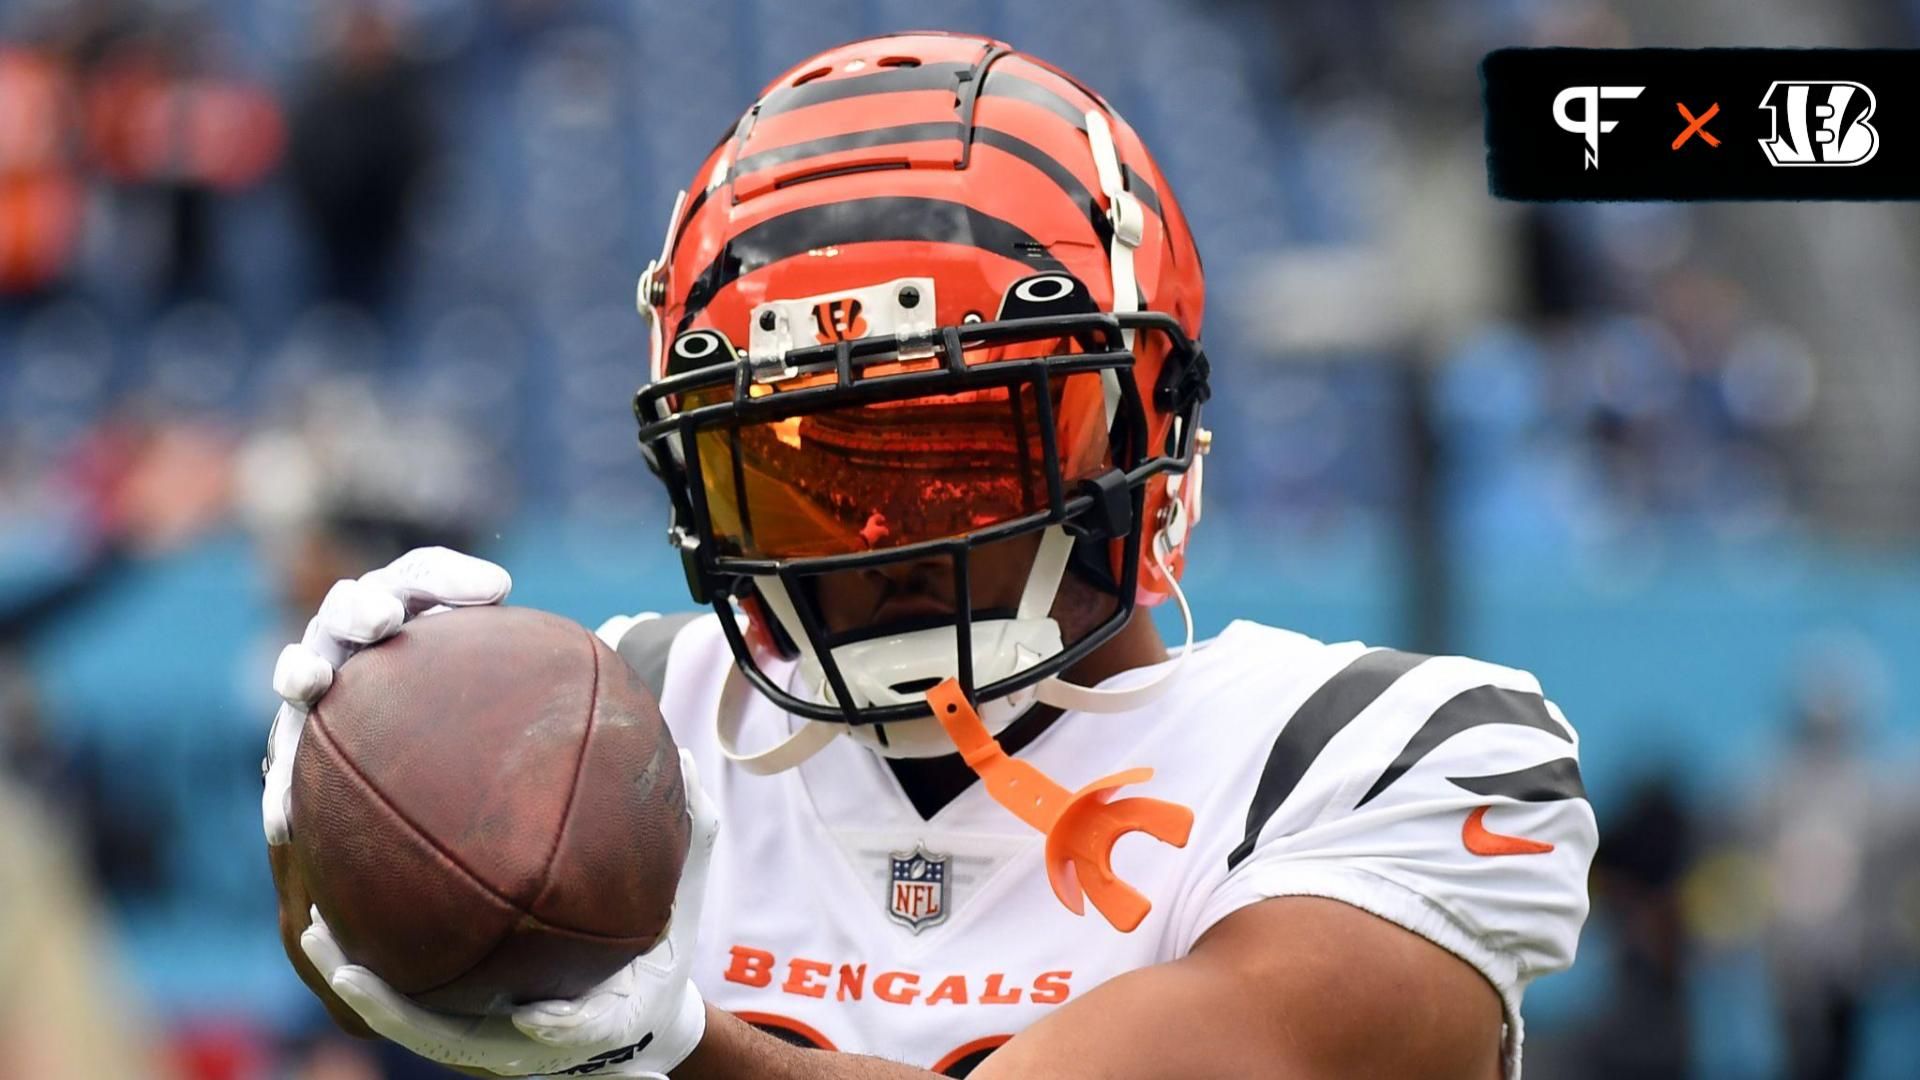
x=679 y=657
x=1441 y=794
x=645 y=641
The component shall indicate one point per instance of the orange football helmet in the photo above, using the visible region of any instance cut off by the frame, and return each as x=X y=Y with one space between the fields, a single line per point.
x=929 y=292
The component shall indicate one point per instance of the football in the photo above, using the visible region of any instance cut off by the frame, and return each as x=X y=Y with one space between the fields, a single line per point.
x=488 y=810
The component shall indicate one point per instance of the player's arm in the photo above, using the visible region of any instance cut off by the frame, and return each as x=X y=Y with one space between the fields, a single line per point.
x=1292 y=987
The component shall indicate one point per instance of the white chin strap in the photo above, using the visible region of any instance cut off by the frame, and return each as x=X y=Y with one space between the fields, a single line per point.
x=873 y=669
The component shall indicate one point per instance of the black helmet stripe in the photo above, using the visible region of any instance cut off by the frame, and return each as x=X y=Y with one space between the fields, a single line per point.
x=1062 y=177
x=943 y=76
x=858 y=221
x=998 y=82
x=850 y=140
x=993 y=82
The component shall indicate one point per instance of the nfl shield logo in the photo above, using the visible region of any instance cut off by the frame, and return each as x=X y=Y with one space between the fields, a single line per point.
x=917 y=889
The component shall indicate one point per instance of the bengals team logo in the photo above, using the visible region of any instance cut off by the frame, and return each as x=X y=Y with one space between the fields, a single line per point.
x=1820 y=123
x=917 y=888
x=838 y=320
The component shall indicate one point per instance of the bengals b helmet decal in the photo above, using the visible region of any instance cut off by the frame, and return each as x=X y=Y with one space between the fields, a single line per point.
x=838 y=320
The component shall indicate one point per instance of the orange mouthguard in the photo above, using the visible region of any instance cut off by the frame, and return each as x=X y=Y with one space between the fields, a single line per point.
x=1081 y=826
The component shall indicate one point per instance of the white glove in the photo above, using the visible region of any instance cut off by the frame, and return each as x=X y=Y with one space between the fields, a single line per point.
x=641 y=1022
x=355 y=614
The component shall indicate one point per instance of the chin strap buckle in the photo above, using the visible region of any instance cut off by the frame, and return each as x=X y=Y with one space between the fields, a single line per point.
x=1081 y=826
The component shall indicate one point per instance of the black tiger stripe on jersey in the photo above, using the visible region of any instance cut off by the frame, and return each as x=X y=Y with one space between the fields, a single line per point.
x=1468 y=709
x=1331 y=708
x=1550 y=781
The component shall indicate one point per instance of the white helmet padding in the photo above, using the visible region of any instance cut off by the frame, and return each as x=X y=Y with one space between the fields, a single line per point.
x=876 y=669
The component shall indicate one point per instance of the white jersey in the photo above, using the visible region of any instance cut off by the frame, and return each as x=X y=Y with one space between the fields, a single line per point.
x=1442 y=794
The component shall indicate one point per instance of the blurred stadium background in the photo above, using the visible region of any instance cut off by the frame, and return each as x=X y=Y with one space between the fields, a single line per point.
x=288 y=285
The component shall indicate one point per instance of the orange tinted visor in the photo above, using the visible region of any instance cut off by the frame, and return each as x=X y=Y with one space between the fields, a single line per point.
x=895 y=472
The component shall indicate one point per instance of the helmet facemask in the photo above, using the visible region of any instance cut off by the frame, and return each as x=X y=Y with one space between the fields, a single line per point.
x=912 y=449
x=897 y=657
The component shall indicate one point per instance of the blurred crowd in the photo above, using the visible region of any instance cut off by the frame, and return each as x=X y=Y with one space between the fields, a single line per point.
x=1808 y=882
x=118 y=111
x=289 y=287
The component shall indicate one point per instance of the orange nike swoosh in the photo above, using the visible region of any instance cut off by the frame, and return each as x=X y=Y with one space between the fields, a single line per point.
x=1480 y=841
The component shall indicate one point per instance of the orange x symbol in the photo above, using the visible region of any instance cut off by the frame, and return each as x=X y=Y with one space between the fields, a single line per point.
x=1697 y=125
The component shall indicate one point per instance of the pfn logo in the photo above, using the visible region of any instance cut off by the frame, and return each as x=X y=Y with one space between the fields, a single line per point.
x=1826 y=124
x=1588 y=124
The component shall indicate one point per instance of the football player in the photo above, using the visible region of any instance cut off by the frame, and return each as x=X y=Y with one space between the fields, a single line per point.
x=926 y=392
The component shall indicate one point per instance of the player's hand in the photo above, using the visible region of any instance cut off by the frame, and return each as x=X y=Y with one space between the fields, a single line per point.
x=356 y=613
x=641 y=1022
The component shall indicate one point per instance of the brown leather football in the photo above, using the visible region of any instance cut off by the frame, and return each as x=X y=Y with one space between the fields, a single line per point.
x=487 y=809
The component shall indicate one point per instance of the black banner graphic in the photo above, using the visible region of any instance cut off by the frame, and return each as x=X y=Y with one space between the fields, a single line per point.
x=1592 y=124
